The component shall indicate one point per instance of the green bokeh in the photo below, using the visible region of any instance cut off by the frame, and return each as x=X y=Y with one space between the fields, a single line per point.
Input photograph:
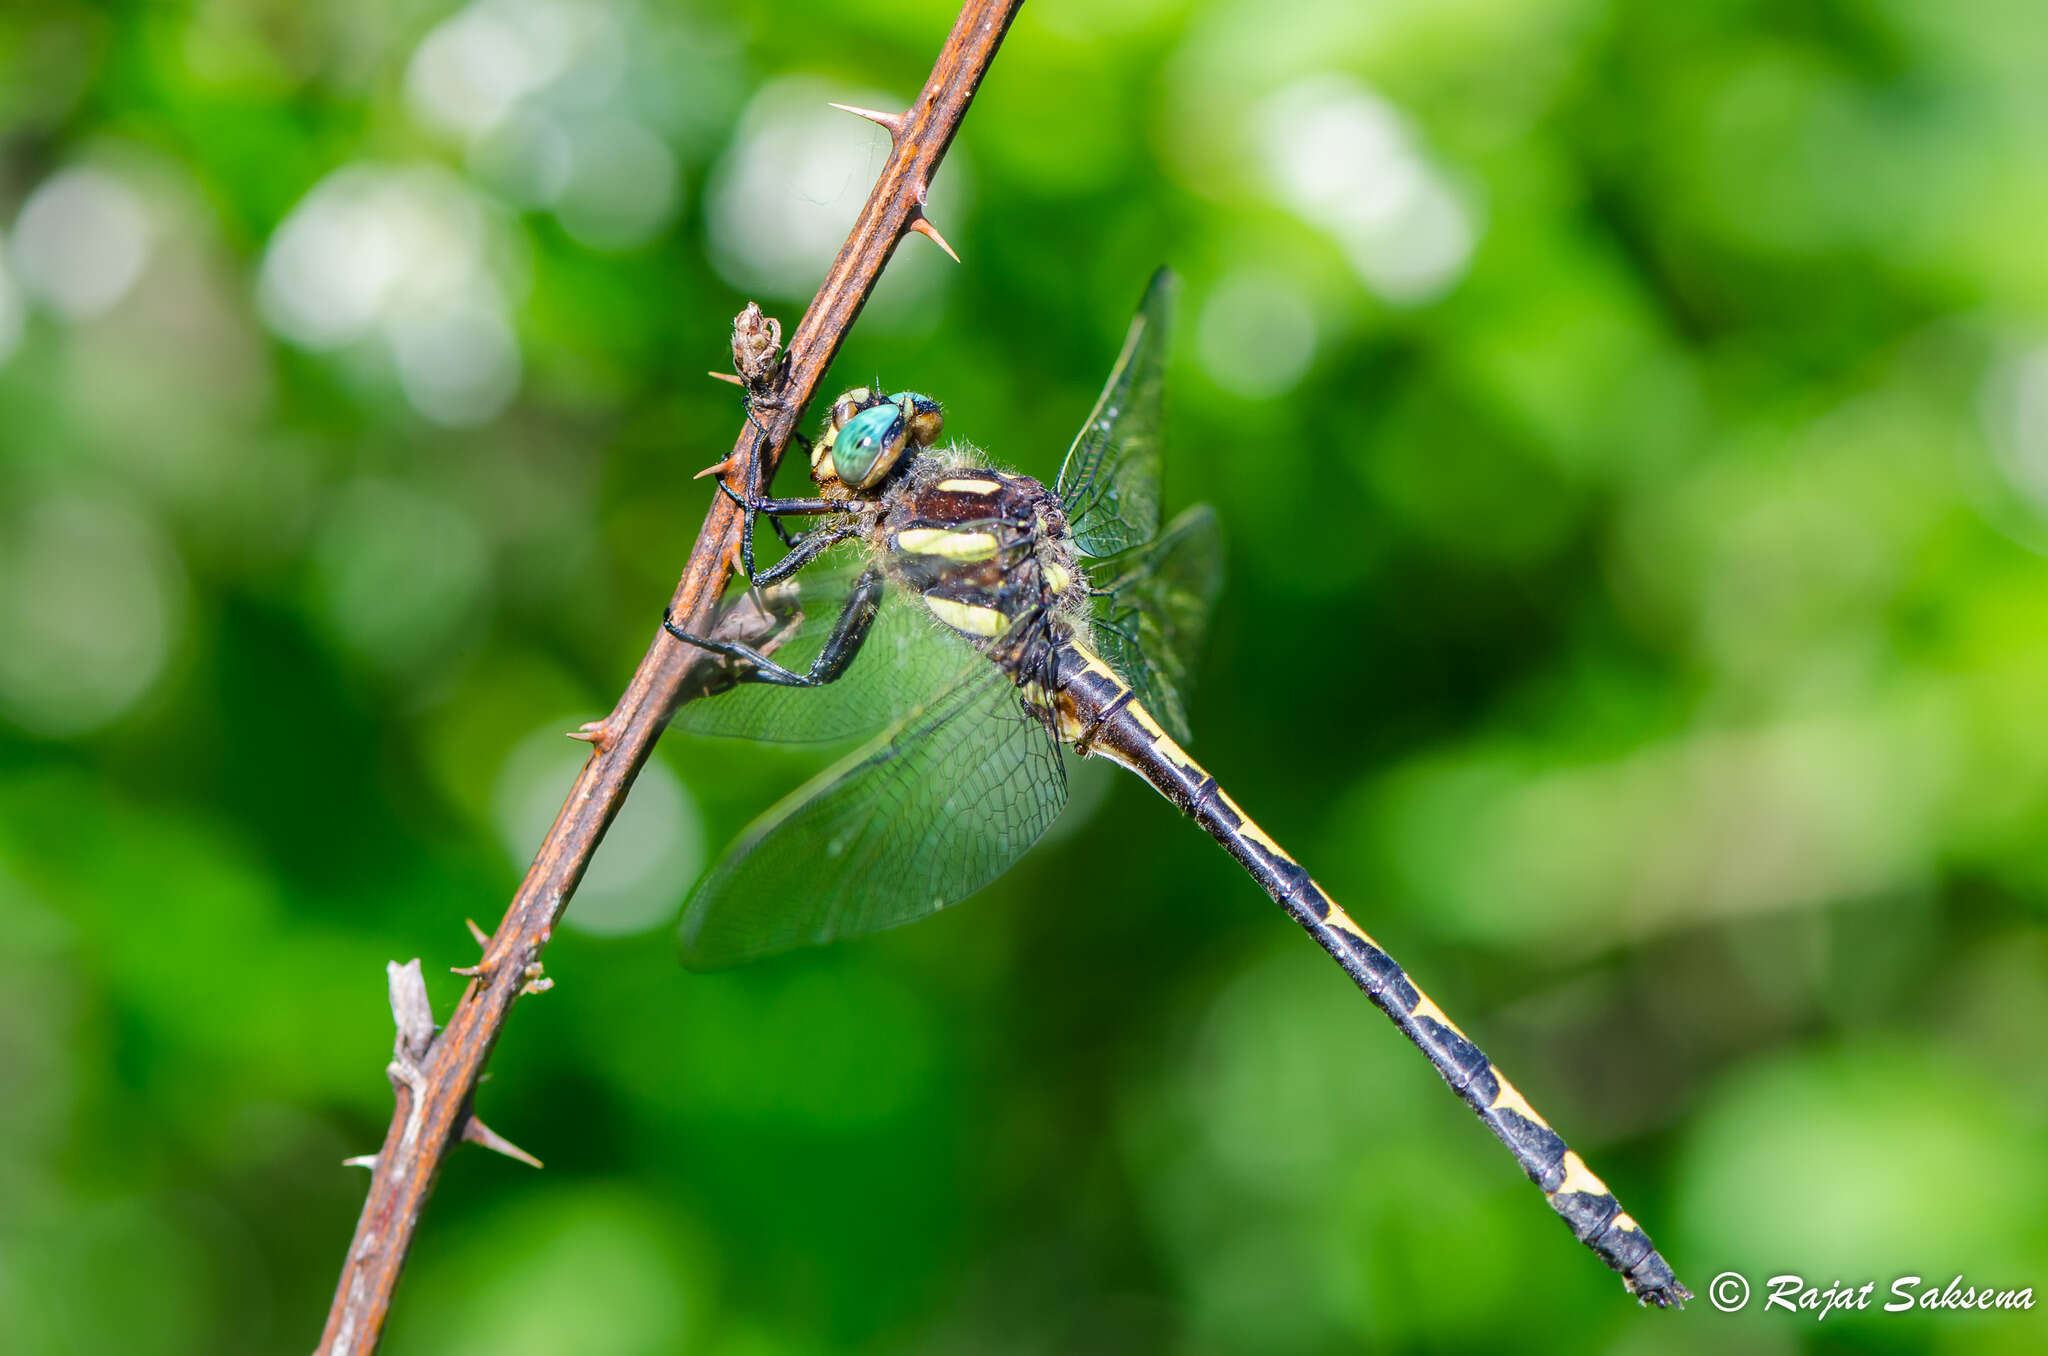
x=1630 y=429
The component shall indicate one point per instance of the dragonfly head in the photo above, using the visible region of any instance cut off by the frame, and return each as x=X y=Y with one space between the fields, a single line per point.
x=868 y=433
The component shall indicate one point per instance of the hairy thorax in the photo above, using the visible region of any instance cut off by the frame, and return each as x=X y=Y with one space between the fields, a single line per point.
x=985 y=549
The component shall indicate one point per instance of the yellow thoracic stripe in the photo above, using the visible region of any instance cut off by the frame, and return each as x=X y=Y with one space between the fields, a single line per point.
x=944 y=542
x=970 y=486
x=975 y=621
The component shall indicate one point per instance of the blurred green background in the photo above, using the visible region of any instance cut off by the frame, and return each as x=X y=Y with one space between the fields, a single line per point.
x=1630 y=426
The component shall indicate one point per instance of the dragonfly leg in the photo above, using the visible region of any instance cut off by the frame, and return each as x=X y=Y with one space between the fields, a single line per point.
x=781 y=532
x=776 y=522
x=802 y=551
x=794 y=507
x=757 y=505
x=849 y=633
x=773 y=521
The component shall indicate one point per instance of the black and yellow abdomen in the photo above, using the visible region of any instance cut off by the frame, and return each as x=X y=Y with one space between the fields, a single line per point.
x=1095 y=710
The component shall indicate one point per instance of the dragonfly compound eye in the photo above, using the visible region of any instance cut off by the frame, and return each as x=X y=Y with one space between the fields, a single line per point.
x=850 y=404
x=867 y=449
x=926 y=419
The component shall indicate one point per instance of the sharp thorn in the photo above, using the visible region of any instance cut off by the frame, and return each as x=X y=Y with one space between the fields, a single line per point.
x=590 y=732
x=361 y=1161
x=892 y=123
x=923 y=226
x=476 y=1132
x=716 y=468
x=732 y=377
x=482 y=938
x=468 y=971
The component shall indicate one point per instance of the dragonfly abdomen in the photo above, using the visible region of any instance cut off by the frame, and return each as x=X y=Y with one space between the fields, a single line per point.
x=1098 y=712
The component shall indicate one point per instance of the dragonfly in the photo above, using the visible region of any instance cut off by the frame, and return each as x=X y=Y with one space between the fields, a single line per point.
x=968 y=621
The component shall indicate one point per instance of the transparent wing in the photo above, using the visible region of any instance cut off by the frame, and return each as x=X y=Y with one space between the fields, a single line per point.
x=932 y=809
x=1153 y=607
x=895 y=669
x=1110 y=480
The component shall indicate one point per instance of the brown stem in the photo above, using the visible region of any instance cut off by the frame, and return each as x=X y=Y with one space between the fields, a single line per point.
x=433 y=1094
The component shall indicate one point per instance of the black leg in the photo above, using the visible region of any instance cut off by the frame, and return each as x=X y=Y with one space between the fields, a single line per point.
x=803 y=551
x=849 y=633
x=747 y=527
x=772 y=507
x=774 y=521
x=793 y=507
x=781 y=532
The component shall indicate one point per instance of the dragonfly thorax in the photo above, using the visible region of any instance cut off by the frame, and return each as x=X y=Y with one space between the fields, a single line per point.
x=988 y=551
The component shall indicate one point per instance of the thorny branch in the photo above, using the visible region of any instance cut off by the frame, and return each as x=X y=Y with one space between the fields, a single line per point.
x=434 y=1077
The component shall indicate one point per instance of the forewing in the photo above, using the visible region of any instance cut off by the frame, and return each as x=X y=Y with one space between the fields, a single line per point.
x=935 y=807
x=1149 y=620
x=1110 y=480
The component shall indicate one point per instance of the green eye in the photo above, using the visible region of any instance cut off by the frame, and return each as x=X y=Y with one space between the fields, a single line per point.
x=867 y=448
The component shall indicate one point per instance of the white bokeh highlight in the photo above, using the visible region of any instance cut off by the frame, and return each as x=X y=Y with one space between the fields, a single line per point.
x=780 y=202
x=91 y=603
x=80 y=242
x=405 y=256
x=2015 y=411
x=458 y=359
x=472 y=69
x=536 y=93
x=1256 y=335
x=1345 y=160
x=652 y=851
x=622 y=182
